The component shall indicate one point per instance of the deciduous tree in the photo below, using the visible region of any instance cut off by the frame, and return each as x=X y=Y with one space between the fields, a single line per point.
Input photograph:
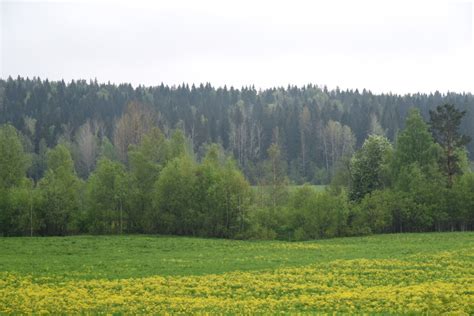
x=369 y=167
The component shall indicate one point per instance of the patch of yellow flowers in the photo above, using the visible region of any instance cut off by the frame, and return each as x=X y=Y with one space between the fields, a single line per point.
x=441 y=284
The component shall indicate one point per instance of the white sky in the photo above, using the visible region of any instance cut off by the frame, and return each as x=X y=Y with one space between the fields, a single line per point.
x=382 y=46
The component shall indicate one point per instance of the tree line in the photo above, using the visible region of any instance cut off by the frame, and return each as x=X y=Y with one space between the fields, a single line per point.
x=88 y=157
x=149 y=181
x=162 y=189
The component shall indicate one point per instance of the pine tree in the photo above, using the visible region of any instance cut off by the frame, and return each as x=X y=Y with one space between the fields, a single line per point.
x=445 y=121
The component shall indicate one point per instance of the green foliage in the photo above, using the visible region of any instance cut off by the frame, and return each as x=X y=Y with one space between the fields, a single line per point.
x=13 y=160
x=316 y=215
x=209 y=199
x=427 y=193
x=59 y=160
x=146 y=161
x=18 y=214
x=15 y=188
x=308 y=214
x=267 y=224
x=342 y=176
x=177 y=144
x=374 y=213
x=173 y=199
x=463 y=202
x=242 y=121
x=415 y=145
x=107 y=198
x=163 y=189
x=369 y=167
x=107 y=150
x=445 y=122
x=60 y=193
x=275 y=182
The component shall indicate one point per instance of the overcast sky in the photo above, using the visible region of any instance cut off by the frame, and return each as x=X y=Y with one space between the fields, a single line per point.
x=383 y=46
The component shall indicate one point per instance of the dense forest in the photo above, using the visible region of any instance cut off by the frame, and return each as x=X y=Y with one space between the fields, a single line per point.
x=100 y=158
x=313 y=126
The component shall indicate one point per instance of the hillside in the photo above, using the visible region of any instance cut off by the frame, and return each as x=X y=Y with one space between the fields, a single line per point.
x=314 y=126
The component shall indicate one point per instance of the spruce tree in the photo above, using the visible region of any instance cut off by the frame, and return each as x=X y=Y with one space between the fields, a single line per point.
x=445 y=121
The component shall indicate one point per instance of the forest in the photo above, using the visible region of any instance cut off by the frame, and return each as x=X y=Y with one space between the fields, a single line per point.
x=90 y=158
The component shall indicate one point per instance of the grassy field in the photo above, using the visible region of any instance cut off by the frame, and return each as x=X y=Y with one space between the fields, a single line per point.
x=406 y=273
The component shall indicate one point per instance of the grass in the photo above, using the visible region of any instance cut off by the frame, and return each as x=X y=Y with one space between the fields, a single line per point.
x=170 y=264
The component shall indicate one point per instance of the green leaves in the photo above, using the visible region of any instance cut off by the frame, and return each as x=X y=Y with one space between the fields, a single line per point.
x=207 y=199
x=415 y=145
x=60 y=191
x=107 y=193
x=13 y=160
x=369 y=167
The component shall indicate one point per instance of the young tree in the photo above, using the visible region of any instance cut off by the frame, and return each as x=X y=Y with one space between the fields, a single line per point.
x=60 y=191
x=237 y=194
x=22 y=209
x=146 y=161
x=415 y=145
x=209 y=195
x=173 y=198
x=369 y=167
x=222 y=195
x=275 y=177
x=463 y=210
x=13 y=165
x=445 y=121
x=107 y=190
x=425 y=193
x=13 y=160
x=107 y=149
x=177 y=145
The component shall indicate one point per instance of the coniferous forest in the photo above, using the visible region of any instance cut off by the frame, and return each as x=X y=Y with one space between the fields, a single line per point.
x=94 y=158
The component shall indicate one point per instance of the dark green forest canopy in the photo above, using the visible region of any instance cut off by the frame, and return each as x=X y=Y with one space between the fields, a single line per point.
x=314 y=126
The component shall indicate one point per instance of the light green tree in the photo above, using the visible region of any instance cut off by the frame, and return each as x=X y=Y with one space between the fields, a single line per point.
x=369 y=167
x=415 y=145
x=13 y=160
x=173 y=198
x=13 y=165
x=315 y=215
x=107 y=191
x=147 y=159
x=223 y=195
x=275 y=182
x=60 y=192
x=463 y=210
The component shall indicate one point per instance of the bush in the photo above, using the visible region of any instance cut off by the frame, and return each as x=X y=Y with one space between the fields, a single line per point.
x=313 y=215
